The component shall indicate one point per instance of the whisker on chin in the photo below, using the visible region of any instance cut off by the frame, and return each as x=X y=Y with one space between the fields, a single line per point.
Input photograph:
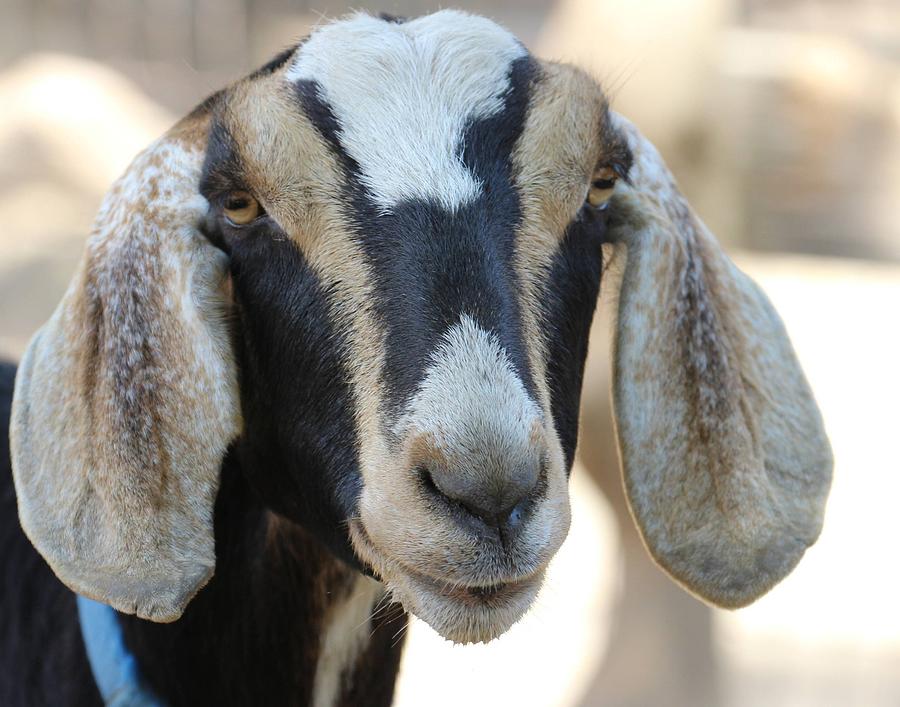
x=398 y=636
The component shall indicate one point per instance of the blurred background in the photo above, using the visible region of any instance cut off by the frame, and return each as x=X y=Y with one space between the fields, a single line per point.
x=781 y=120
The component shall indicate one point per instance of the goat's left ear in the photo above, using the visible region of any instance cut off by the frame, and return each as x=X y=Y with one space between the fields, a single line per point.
x=726 y=462
x=126 y=400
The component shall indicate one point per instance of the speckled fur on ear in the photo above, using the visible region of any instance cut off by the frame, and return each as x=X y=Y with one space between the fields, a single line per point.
x=126 y=399
x=727 y=465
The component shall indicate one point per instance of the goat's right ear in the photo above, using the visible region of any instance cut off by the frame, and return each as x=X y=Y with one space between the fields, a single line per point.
x=727 y=465
x=126 y=400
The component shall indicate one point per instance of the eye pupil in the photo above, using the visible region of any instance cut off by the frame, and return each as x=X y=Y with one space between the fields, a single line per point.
x=241 y=208
x=601 y=189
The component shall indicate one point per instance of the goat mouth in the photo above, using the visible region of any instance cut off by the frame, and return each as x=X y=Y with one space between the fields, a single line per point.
x=460 y=612
x=450 y=589
x=497 y=595
x=501 y=597
x=467 y=614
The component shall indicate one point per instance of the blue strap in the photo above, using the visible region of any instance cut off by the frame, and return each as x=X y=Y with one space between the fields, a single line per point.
x=115 y=669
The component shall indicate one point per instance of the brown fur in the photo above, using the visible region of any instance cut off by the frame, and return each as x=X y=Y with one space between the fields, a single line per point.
x=137 y=385
x=298 y=180
x=554 y=158
x=726 y=461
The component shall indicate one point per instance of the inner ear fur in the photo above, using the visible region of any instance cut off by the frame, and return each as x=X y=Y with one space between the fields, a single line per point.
x=126 y=399
x=726 y=462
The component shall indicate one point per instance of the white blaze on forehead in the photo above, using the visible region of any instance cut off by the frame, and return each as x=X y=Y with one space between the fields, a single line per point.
x=471 y=392
x=404 y=93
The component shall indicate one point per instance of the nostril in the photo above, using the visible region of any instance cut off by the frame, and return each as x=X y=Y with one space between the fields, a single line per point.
x=502 y=508
x=489 y=495
x=517 y=514
x=424 y=475
x=505 y=519
x=431 y=487
x=434 y=490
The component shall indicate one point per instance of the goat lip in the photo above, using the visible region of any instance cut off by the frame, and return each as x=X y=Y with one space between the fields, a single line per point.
x=460 y=612
x=467 y=614
x=477 y=594
x=474 y=593
x=445 y=587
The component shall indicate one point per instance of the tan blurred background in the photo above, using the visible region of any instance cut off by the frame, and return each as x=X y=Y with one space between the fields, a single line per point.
x=781 y=120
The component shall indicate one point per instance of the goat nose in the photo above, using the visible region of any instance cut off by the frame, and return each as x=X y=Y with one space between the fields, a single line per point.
x=496 y=492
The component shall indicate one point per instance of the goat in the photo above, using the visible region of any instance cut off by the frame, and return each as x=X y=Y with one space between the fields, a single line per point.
x=321 y=366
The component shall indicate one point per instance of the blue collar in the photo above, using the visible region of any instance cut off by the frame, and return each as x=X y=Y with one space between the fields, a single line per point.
x=114 y=667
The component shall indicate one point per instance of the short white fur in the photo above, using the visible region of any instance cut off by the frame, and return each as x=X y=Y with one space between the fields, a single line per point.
x=471 y=390
x=403 y=95
x=346 y=636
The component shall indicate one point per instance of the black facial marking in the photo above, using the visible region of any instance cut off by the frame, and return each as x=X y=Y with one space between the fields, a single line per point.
x=299 y=446
x=569 y=299
x=431 y=266
x=319 y=113
x=221 y=166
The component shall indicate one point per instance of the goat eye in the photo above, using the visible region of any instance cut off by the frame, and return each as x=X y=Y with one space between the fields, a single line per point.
x=241 y=208
x=601 y=189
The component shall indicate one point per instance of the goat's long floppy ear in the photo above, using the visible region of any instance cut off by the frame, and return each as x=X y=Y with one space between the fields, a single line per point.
x=727 y=466
x=126 y=399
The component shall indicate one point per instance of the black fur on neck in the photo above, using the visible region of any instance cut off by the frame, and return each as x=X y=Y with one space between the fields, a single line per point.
x=252 y=635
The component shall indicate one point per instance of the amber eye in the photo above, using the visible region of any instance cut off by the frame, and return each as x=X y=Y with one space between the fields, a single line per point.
x=241 y=208
x=602 y=185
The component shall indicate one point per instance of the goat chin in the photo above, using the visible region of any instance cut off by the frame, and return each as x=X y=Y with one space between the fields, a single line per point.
x=462 y=612
x=466 y=614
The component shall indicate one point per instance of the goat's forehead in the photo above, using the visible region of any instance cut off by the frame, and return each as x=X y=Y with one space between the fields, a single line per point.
x=447 y=112
x=403 y=95
x=444 y=37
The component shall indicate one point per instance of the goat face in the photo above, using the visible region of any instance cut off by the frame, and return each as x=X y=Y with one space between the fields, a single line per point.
x=407 y=219
x=415 y=299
